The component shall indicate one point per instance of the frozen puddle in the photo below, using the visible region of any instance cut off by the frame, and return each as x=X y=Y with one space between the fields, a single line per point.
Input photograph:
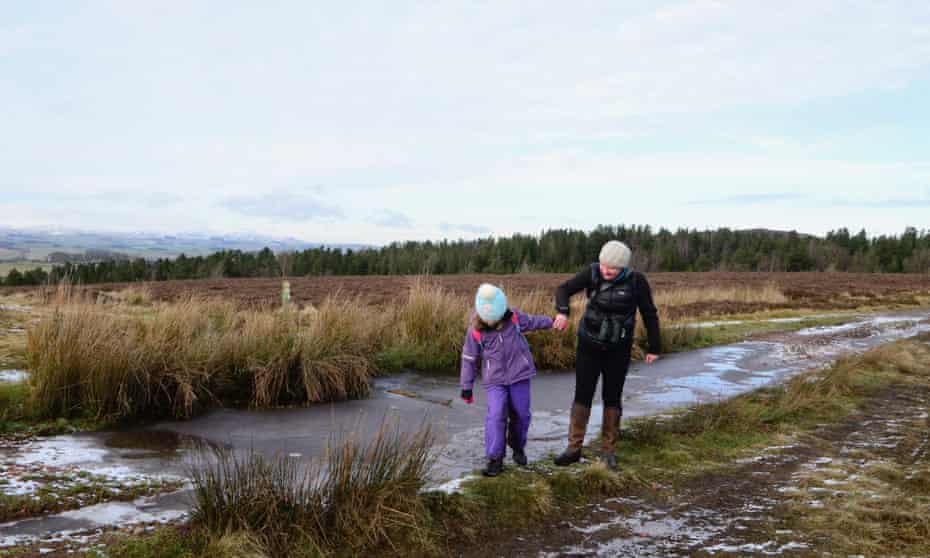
x=61 y=451
x=13 y=376
x=79 y=525
x=792 y=320
x=875 y=322
x=77 y=466
x=647 y=534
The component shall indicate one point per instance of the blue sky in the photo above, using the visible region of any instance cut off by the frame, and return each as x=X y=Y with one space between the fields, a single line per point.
x=372 y=122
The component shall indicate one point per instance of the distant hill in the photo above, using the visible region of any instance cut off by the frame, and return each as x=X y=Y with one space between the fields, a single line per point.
x=20 y=245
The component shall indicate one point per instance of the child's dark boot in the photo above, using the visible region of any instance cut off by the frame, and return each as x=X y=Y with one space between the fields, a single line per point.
x=519 y=457
x=494 y=468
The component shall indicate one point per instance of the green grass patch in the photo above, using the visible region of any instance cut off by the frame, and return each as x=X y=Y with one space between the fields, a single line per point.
x=18 y=419
x=166 y=542
x=514 y=499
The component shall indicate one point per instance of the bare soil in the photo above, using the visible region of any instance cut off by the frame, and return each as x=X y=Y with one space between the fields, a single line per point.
x=803 y=290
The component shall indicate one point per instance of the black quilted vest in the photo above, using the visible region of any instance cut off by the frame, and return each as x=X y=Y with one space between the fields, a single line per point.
x=610 y=315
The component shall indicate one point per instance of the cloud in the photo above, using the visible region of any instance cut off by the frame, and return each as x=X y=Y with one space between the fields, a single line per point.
x=393 y=219
x=147 y=198
x=815 y=201
x=456 y=227
x=279 y=204
x=886 y=203
x=751 y=199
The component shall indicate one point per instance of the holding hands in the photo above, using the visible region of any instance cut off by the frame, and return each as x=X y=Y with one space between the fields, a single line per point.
x=560 y=323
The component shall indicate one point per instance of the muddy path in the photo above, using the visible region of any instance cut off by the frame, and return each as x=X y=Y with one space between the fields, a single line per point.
x=755 y=508
x=165 y=449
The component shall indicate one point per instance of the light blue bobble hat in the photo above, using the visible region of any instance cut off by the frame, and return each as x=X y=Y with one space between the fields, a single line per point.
x=490 y=303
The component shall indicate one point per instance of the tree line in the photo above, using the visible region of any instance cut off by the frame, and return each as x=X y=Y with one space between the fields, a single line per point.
x=557 y=250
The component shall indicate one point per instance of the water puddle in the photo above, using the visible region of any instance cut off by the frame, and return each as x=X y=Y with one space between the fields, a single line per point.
x=146 y=444
x=791 y=320
x=650 y=533
x=13 y=376
x=83 y=525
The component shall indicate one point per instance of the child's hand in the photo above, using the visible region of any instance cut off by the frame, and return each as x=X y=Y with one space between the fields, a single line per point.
x=560 y=322
x=468 y=396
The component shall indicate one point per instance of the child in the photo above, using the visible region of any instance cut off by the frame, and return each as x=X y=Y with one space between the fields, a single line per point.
x=495 y=340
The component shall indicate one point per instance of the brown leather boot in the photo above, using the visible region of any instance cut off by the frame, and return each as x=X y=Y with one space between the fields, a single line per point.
x=610 y=433
x=577 y=426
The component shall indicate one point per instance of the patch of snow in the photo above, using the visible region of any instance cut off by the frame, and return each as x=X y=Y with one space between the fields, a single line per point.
x=120 y=513
x=13 y=376
x=61 y=451
x=18 y=487
x=453 y=486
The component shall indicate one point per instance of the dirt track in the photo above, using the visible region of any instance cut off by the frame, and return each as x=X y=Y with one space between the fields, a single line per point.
x=756 y=513
x=803 y=290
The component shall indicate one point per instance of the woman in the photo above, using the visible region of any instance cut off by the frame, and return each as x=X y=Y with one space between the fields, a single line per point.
x=605 y=340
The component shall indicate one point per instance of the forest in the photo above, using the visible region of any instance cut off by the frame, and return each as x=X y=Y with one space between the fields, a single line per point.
x=556 y=250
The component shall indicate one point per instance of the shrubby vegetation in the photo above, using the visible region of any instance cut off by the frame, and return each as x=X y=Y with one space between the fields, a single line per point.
x=558 y=250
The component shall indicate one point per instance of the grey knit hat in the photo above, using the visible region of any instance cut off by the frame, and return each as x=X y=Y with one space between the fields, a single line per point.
x=615 y=254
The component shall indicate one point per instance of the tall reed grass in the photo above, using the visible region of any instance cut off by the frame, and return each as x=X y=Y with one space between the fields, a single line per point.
x=359 y=497
x=425 y=332
x=174 y=359
x=118 y=358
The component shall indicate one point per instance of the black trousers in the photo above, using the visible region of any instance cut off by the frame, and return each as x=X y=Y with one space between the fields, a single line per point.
x=592 y=362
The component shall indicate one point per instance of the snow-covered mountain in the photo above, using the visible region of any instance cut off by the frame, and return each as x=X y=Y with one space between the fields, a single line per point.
x=38 y=244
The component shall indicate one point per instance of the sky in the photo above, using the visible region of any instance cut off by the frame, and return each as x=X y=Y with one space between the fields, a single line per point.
x=379 y=121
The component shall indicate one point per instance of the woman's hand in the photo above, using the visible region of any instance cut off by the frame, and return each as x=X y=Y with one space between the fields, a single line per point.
x=650 y=358
x=560 y=322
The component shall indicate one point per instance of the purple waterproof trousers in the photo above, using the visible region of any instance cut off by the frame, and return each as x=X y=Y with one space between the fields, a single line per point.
x=506 y=403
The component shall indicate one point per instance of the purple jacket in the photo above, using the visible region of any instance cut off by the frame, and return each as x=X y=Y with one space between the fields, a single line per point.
x=503 y=354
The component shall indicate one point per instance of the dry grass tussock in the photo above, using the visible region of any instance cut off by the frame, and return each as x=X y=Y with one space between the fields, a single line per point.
x=358 y=497
x=125 y=356
x=881 y=509
x=768 y=293
x=176 y=358
x=425 y=331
